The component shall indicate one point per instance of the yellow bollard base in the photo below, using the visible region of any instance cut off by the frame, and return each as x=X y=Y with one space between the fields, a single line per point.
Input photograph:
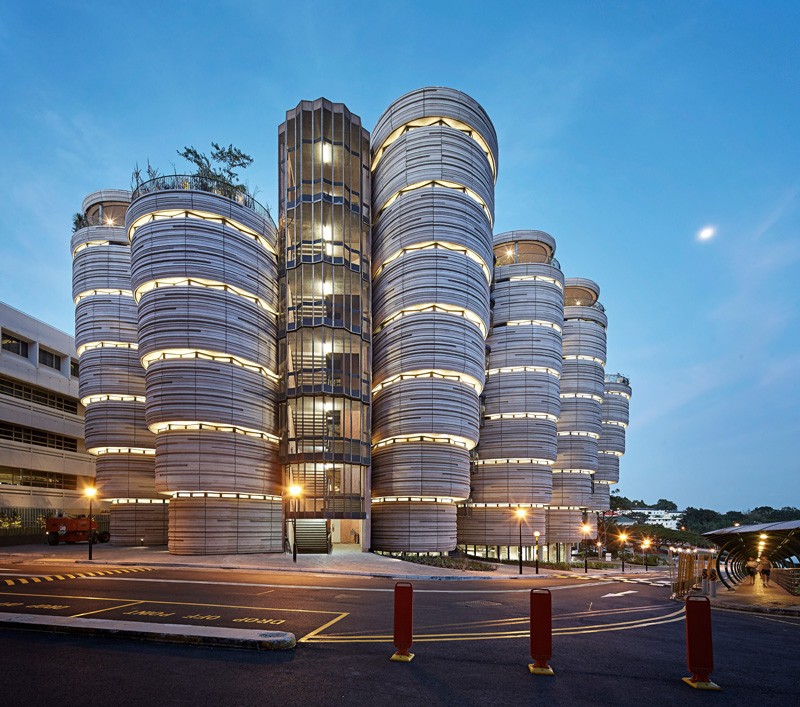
x=540 y=671
x=399 y=658
x=701 y=685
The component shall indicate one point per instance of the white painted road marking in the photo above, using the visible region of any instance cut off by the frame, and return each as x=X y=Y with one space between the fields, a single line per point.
x=620 y=594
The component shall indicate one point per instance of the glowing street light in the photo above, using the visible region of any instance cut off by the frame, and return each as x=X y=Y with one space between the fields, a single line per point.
x=623 y=538
x=536 y=550
x=90 y=492
x=645 y=546
x=586 y=529
x=295 y=491
x=520 y=513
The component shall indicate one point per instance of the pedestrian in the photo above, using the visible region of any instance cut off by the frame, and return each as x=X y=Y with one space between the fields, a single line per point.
x=751 y=566
x=765 y=567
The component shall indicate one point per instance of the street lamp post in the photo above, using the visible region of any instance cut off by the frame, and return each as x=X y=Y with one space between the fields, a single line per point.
x=623 y=538
x=295 y=491
x=645 y=546
x=586 y=529
x=90 y=492
x=536 y=551
x=520 y=513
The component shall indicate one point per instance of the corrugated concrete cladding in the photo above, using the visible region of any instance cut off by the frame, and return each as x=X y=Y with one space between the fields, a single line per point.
x=521 y=400
x=204 y=274
x=111 y=377
x=579 y=427
x=434 y=165
x=611 y=445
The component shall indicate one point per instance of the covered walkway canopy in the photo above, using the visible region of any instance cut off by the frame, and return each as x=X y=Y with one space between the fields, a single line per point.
x=780 y=542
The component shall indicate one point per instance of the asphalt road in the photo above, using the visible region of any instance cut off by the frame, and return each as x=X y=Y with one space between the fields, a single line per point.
x=614 y=642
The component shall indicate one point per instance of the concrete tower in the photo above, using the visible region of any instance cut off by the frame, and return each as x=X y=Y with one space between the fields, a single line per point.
x=204 y=274
x=325 y=320
x=579 y=427
x=611 y=447
x=111 y=378
x=434 y=166
x=521 y=401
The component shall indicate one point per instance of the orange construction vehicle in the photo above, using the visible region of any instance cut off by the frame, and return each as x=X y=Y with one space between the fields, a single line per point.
x=68 y=529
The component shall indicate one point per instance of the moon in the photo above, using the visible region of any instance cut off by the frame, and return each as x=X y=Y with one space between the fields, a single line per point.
x=706 y=233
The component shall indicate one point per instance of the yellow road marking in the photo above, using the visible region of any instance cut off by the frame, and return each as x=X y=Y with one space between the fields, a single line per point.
x=22 y=581
x=322 y=628
x=108 y=608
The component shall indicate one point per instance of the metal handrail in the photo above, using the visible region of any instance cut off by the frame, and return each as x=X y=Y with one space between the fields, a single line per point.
x=617 y=378
x=212 y=185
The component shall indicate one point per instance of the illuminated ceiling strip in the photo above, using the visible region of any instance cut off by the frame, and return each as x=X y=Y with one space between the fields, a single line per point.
x=438 y=374
x=196 y=214
x=524 y=369
x=610 y=452
x=472 y=504
x=453 y=440
x=581 y=357
x=186 y=354
x=603 y=481
x=160 y=501
x=533 y=322
x=616 y=423
x=146 y=287
x=437 y=120
x=514 y=460
x=521 y=416
x=194 y=425
x=141 y=451
x=417 y=499
x=565 y=508
x=618 y=392
x=103 y=291
x=544 y=278
x=225 y=494
x=89 y=244
x=578 y=433
x=112 y=397
x=443 y=245
x=581 y=396
x=449 y=309
x=436 y=183
x=106 y=345
x=582 y=472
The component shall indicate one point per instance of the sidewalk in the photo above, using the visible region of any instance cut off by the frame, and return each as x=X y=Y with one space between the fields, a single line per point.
x=757 y=598
x=345 y=560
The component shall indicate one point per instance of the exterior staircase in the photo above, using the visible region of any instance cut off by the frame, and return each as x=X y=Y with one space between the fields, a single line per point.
x=313 y=536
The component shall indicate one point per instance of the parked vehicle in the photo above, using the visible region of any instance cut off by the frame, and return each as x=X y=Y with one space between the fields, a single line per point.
x=70 y=529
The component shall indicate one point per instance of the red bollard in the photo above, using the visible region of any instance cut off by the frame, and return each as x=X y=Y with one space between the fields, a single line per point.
x=403 y=618
x=541 y=631
x=699 y=647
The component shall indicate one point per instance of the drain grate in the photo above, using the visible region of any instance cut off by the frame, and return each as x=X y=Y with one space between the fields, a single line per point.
x=478 y=604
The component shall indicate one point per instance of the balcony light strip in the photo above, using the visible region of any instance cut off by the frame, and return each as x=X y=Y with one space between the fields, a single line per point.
x=524 y=369
x=103 y=291
x=543 y=278
x=225 y=494
x=162 y=282
x=616 y=423
x=455 y=441
x=521 y=416
x=89 y=244
x=196 y=425
x=581 y=396
x=581 y=472
x=436 y=183
x=139 y=451
x=514 y=460
x=417 y=499
x=437 y=245
x=578 y=433
x=531 y=322
x=581 y=357
x=438 y=374
x=427 y=121
x=435 y=307
x=610 y=452
x=150 y=501
x=618 y=392
x=473 y=504
x=195 y=214
x=91 y=345
x=205 y=355
x=112 y=397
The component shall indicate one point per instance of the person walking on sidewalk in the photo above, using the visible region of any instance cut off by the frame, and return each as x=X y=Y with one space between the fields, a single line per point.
x=751 y=566
x=765 y=568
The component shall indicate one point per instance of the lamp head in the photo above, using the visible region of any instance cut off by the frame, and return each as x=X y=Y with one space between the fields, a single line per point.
x=90 y=491
x=536 y=534
x=520 y=513
x=623 y=536
x=295 y=490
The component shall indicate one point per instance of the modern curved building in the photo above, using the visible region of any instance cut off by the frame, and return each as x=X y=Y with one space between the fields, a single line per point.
x=521 y=404
x=325 y=318
x=434 y=164
x=112 y=386
x=611 y=446
x=579 y=427
x=204 y=275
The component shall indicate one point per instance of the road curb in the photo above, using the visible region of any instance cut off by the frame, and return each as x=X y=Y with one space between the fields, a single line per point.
x=161 y=633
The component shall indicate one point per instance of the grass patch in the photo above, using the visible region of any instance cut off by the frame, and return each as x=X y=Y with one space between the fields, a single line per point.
x=450 y=563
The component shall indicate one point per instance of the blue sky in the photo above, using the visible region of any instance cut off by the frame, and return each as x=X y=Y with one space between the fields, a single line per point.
x=624 y=129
